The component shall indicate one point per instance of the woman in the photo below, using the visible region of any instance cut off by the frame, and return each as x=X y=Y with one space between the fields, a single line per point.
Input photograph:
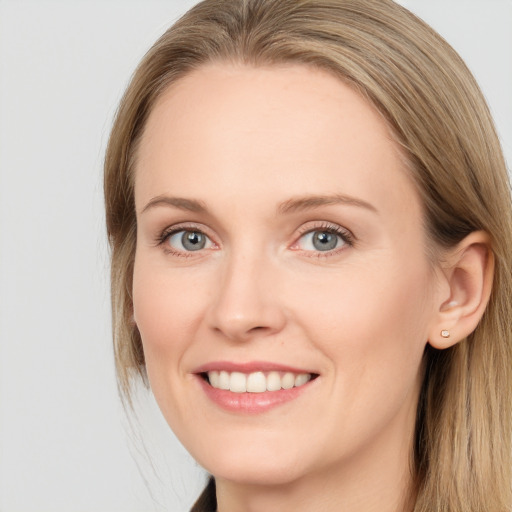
x=310 y=221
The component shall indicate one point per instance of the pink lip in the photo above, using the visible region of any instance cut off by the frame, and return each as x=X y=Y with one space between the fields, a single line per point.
x=251 y=403
x=249 y=367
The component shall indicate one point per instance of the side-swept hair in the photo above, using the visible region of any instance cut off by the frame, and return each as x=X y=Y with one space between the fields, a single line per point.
x=462 y=459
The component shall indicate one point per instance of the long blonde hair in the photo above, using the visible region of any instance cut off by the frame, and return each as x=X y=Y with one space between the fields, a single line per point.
x=463 y=459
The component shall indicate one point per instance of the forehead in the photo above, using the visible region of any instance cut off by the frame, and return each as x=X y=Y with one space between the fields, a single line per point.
x=239 y=128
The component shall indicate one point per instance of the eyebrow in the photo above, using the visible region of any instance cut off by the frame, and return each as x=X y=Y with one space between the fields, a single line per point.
x=190 y=205
x=310 y=202
x=302 y=203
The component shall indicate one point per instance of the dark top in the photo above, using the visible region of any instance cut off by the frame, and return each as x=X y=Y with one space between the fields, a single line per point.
x=207 y=502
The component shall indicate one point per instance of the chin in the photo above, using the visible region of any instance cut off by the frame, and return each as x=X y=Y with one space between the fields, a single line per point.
x=256 y=466
x=262 y=474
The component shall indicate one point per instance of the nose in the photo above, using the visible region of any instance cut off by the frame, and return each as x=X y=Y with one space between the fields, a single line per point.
x=246 y=304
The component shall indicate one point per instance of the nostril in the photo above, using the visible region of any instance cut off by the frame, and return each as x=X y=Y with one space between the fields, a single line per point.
x=244 y=318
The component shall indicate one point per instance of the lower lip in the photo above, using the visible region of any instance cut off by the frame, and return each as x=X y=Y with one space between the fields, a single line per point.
x=251 y=403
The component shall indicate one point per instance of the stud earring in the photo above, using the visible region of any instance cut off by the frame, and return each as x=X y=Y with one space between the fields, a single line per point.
x=445 y=333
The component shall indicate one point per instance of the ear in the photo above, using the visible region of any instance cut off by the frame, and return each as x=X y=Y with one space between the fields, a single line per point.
x=467 y=275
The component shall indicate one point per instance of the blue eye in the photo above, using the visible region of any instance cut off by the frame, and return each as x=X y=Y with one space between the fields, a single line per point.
x=188 y=241
x=321 y=240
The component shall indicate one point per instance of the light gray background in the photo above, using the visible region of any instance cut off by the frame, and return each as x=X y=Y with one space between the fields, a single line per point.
x=64 y=443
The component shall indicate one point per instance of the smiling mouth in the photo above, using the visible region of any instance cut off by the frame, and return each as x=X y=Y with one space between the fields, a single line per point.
x=256 y=382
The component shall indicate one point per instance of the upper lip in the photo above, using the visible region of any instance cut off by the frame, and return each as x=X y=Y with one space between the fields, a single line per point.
x=248 y=367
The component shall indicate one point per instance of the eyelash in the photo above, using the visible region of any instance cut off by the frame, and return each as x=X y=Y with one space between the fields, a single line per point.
x=346 y=236
x=169 y=232
x=326 y=227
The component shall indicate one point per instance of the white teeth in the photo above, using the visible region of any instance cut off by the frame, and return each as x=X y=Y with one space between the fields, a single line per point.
x=256 y=382
x=214 y=379
x=288 y=381
x=301 y=379
x=223 y=380
x=273 y=381
x=238 y=382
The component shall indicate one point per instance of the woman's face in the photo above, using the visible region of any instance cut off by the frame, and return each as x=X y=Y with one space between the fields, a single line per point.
x=280 y=243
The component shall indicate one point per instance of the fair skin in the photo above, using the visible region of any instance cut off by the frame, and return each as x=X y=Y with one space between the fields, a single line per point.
x=278 y=226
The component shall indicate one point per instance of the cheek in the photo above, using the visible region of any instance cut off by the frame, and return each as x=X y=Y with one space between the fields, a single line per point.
x=362 y=302
x=373 y=326
x=166 y=310
x=373 y=330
